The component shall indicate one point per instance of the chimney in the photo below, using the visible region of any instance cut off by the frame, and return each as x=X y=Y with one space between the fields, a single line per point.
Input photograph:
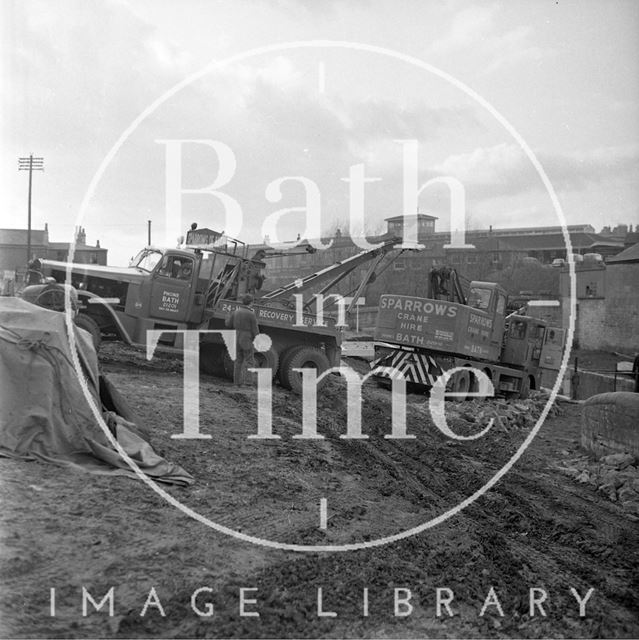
x=97 y=244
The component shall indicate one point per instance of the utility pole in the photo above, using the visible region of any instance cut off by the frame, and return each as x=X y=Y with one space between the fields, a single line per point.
x=30 y=164
x=149 y=233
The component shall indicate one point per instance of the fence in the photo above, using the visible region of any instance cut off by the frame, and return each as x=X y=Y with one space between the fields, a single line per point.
x=585 y=384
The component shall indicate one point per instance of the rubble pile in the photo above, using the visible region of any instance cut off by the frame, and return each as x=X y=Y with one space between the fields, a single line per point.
x=615 y=476
x=509 y=416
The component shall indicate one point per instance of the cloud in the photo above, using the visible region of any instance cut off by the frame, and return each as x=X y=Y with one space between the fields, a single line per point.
x=77 y=78
x=484 y=165
x=79 y=73
x=474 y=31
x=504 y=169
x=513 y=48
x=468 y=27
x=580 y=170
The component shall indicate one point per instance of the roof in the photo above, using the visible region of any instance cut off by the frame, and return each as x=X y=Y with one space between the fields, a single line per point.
x=631 y=254
x=19 y=236
x=528 y=231
x=419 y=216
x=578 y=240
x=78 y=246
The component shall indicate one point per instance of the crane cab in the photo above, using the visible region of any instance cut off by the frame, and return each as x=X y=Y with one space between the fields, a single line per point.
x=523 y=341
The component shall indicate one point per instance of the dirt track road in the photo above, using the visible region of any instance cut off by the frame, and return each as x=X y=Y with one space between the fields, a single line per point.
x=535 y=529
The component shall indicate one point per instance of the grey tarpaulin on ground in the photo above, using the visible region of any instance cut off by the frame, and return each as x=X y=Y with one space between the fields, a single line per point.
x=44 y=414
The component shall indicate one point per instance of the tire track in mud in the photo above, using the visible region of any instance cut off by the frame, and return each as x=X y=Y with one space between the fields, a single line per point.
x=535 y=528
x=532 y=530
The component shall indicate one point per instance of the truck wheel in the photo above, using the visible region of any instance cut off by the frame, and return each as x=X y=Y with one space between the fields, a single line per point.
x=87 y=323
x=285 y=358
x=212 y=359
x=459 y=382
x=302 y=358
x=267 y=360
x=51 y=297
x=524 y=392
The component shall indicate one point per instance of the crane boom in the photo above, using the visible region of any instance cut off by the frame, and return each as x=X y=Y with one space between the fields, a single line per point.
x=337 y=271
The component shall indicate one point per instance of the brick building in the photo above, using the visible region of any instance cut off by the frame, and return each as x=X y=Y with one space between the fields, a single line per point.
x=495 y=250
x=13 y=250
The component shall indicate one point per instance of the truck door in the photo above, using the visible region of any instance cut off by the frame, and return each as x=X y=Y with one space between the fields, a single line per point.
x=553 y=350
x=171 y=288
x=536 y=336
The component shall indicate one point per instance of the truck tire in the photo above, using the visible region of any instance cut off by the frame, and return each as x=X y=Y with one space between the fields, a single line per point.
x=285 y=358
x=51 y=298
x=459 y=382
x=267 y=359
x=212 y=359
x=302 y=357
x=524 y=391
x=87 y=323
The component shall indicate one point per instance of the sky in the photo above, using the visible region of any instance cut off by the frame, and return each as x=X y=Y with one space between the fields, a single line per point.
x=215 y=97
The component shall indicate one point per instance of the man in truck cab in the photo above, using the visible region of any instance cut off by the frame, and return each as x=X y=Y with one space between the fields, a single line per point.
x=176 y=267
x=244 y=322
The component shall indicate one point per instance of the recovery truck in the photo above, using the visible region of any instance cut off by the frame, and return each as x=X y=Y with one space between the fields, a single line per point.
x=423 y=337
x=197 y=286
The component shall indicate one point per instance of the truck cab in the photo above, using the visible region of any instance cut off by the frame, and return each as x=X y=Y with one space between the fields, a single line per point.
x=167 y=289
x=523 y=341
x=491 y=298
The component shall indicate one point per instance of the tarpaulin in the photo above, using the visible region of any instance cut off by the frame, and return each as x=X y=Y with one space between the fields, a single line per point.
x=44 y=413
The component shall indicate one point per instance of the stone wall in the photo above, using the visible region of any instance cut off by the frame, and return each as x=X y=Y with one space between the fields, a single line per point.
x=591 y=323
x=621 y=330
x=609 y=322
x=609 y=424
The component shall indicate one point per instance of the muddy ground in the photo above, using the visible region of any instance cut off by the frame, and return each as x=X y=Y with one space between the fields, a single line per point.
x=536 y=528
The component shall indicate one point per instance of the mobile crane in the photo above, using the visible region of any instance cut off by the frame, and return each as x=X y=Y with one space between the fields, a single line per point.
x=420 y=338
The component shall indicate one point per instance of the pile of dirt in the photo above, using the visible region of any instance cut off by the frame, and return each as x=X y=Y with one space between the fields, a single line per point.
x=615 y=476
